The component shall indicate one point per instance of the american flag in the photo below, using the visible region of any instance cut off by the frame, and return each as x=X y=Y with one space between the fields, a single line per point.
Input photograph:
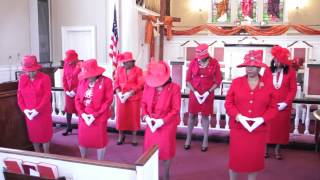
x=114 y=40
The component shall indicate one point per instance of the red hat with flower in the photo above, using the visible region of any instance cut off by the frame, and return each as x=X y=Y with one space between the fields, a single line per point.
x=157 y=73
x=253 y=58
x=30 y=63
x=126 y=57
x=202 y=51
x=281 y=54
x=90 y=68
x=71 y=55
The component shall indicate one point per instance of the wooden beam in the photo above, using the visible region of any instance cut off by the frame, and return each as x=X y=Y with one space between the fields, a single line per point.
x=162 y=14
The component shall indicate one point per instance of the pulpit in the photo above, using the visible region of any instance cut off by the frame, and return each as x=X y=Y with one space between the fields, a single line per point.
x=13 y=127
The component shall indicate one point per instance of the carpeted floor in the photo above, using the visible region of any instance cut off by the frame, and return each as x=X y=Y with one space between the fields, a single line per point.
x=298 y=163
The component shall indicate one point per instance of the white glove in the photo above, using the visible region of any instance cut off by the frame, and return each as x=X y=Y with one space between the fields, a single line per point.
x=28 y=113
x=149 y=122
x=282 y=106
x=257 y=122
x=90 y=119
x=72 y=94
x=204 y=96
x=34 y=113
x=158 y=124
x=243 y=120
x=126 y=96
x=85 y=118
x=121 y=96
x=198 y=96
x=68 y=93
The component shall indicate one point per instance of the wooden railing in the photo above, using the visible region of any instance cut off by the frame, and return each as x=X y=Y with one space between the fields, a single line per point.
x=301 y=105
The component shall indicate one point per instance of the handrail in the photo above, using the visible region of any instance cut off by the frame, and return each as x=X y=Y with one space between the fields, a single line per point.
x=146 y=156
x=222 y=97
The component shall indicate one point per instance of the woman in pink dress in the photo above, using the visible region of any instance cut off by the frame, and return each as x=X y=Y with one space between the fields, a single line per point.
x=250 y=105
x=161 y=110
x=283 y=78
x=71 y=70
x=203 y=77
x=128 y=86
x=34 y=99
x=93 y=100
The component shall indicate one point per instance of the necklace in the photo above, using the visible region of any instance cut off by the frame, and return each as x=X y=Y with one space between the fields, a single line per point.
x=277 y=83
x=203 y=64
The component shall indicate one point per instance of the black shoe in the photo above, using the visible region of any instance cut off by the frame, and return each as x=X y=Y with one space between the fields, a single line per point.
x=67 y=132
x=187 y=146
x=121 y=141
x=134 y=143
x=204 y=149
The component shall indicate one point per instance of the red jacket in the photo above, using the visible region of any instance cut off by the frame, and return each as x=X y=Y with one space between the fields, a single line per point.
x=132 y=81
x=258 y=102
x=70 y=77
x=203 y=82
x=101 y=100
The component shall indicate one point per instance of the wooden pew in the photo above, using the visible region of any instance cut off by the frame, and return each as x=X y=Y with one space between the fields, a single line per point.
x=12 y=124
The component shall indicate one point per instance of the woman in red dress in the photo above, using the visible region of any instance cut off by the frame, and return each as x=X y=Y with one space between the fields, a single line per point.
x=71 y=70
x=250 y=105
x=93 y=100
x=34 y=99
x=283 y=78
x=203 y=77
x=128 y=87
x=161 y=110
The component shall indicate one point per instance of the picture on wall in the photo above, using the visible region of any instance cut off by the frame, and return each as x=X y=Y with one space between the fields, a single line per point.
x=221 y=11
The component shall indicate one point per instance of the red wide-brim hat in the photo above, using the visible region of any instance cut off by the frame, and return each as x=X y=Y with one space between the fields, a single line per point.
x=126 y=57
x=30 y=63
x=71 y=55
x=90 y=68
x=157 y=73
x=281 y=54
x=202 y=51
x=253 y=58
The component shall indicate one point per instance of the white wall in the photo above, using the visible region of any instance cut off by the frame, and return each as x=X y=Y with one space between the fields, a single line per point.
x=78 y=13
x=14 y=31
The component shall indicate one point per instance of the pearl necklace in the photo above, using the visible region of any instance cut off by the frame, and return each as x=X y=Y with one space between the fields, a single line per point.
x=277 y=84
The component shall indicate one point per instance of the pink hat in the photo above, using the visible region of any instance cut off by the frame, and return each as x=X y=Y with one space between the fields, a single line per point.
x=253 y=58
x=202 y=51
x=71 y=55
x=90 y=68
x=127 y=56
x=30 y=63
x=157 y=73
x=281 y=54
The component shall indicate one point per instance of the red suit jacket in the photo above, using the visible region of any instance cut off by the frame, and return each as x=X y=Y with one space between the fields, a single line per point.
x=165 y=105
x=36 y=94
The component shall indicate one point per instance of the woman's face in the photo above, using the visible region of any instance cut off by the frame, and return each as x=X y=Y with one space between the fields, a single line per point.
x=72 y=63
x=32 y=74
x=128 y=65
x=252 y=71
x=92 y=79
x=277 y=64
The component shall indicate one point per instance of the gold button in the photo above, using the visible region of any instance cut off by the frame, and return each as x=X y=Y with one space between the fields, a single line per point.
x=251 y=92
x=250 y=111
x=250 y=101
